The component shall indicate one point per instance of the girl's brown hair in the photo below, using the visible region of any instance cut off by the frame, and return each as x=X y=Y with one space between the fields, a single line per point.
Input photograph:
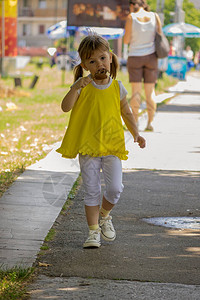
x=87 y=46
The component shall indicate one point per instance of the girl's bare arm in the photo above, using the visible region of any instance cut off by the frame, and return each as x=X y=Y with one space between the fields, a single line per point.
x=70 y=98
x=129 y=120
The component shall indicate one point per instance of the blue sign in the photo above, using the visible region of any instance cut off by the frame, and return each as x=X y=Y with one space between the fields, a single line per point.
x=177 y=66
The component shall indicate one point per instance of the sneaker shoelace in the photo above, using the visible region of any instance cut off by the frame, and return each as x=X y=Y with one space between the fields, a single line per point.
x=93 y=234
x=107 y=223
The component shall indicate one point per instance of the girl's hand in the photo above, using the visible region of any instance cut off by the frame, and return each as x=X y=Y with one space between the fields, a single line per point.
x=71 y=97
x=82 y=82
x=141 y=141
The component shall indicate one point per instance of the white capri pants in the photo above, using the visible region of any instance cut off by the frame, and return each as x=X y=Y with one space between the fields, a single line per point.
x=112 y=171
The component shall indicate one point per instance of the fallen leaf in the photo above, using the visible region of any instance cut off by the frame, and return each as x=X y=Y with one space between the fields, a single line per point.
x=43 y=264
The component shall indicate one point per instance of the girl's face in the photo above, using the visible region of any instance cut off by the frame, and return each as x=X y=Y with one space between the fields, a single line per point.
x=100 y=59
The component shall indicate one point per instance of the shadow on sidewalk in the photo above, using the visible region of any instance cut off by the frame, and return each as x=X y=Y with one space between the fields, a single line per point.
x=141 y=251
x=179 y=108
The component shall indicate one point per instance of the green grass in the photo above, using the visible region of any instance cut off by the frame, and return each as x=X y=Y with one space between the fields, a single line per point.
x=44 y=247
x=50 y=235
x=165 y=82
x=37 y=121
x=12 y=282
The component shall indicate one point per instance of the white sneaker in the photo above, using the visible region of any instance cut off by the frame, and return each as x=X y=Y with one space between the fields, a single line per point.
x=94 y=239
x=107 y=229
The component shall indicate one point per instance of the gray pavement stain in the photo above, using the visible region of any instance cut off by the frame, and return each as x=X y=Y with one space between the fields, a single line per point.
x=179 y=108
x=176 y=222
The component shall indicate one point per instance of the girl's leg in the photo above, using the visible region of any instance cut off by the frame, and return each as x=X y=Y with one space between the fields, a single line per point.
x=112 y=171
x=151 y=105
x=90 y=171
x=136 y=98
x=92 y=216
x=106 y=207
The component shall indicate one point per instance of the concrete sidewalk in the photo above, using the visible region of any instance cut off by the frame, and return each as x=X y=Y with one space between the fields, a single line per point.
x=174 y=143
x=29 y=208
x=141 y=252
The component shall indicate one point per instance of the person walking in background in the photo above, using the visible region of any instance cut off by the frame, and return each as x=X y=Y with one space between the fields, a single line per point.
x=189 y=55
x=140 y=29
x=95 y=132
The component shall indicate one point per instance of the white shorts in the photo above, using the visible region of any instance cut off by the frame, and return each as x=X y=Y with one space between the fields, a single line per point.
x=112 y=171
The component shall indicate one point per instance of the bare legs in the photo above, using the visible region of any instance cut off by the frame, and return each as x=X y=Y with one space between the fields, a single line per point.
x=136 y=99
x=92 y=212
x=92 y=215
x=151 y=105
x=106 y=204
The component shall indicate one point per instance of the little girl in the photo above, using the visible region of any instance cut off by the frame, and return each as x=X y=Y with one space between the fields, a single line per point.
x=95 y=132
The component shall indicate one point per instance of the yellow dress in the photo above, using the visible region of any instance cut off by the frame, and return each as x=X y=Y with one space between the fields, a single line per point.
x=95 y=125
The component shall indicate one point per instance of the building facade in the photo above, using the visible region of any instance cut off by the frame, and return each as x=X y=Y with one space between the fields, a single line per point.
x=34 y=18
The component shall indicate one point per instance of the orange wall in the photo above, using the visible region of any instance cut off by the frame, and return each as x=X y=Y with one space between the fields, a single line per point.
x=10 y=25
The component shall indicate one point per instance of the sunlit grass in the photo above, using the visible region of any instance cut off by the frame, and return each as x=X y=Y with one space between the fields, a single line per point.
x=12 y=282
x=165 y=82
x=27 y=130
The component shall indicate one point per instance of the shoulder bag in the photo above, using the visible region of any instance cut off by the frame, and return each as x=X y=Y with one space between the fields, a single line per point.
x=161 y=43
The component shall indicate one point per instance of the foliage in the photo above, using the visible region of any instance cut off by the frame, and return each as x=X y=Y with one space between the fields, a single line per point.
x=192 y=16
x=67 y=43
x=60 y=42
